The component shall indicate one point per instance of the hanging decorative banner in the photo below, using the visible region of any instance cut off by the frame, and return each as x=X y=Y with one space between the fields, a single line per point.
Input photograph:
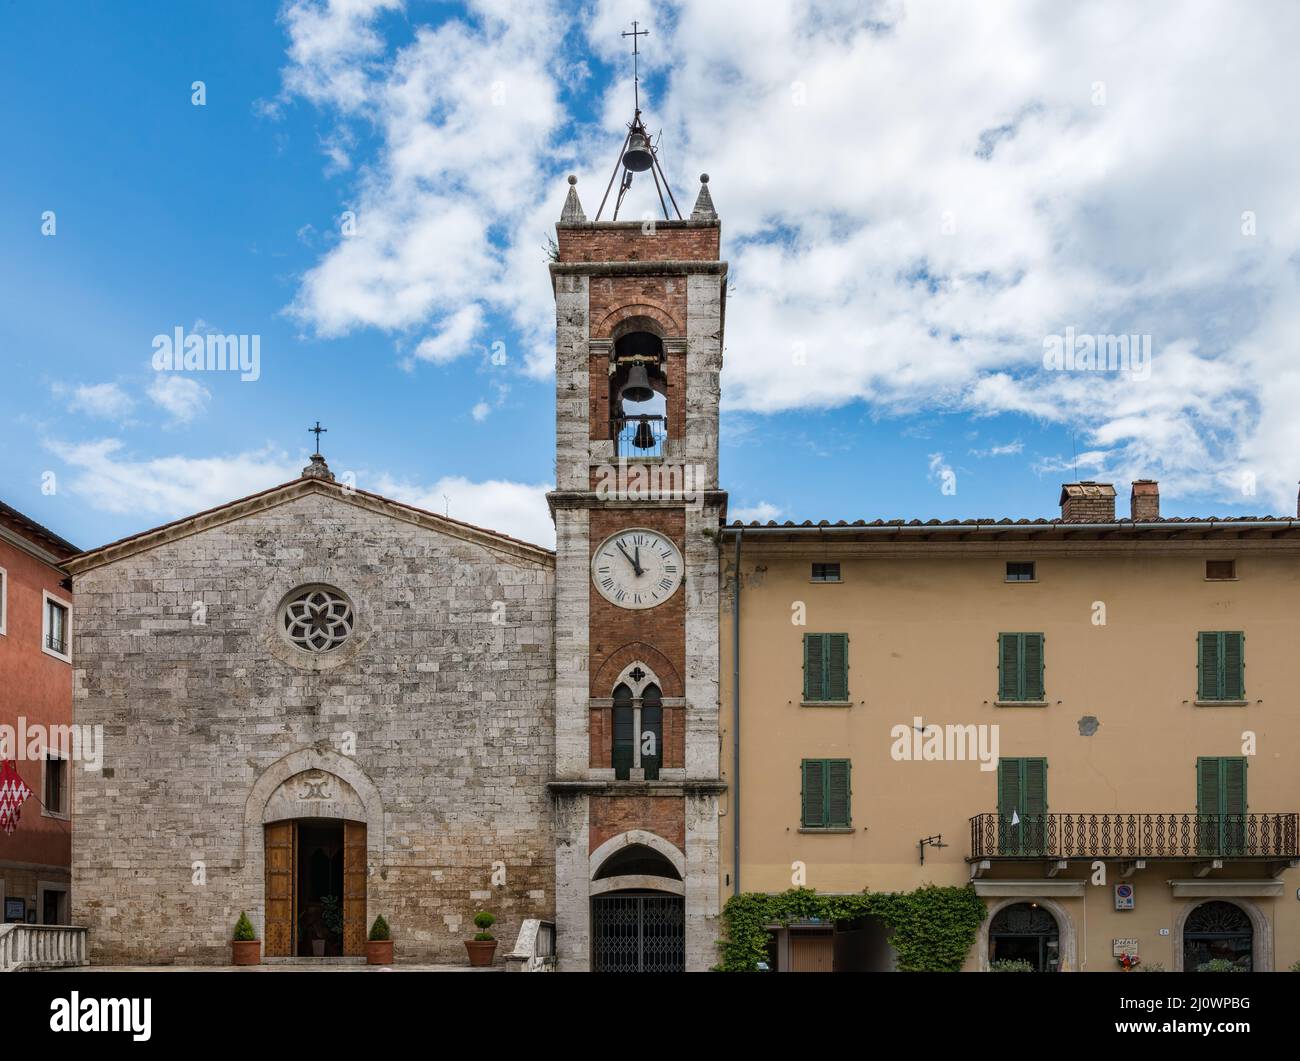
x=13 y=794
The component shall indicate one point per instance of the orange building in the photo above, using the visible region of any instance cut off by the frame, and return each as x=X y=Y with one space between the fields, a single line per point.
x=35 y=695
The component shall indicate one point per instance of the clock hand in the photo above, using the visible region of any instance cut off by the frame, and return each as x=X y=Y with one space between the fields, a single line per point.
x=636 y=568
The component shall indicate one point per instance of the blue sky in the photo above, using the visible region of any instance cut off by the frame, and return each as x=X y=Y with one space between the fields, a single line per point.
x=913 y=200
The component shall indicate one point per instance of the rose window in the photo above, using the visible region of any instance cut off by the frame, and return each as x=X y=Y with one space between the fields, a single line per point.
x=318 y=619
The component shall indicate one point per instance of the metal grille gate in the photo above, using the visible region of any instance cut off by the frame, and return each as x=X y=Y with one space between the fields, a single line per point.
x=639 y=933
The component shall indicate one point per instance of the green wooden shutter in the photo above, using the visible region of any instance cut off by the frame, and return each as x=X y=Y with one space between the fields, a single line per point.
x=813 y=670
x=1008 y=667
x=837 y=666
x=1221 y=804
x=1009 y=789
x=1033 y=830
x=1209 y=787
x=1233 y=802
x=1031 y=666
x=1232 y=658
x=1207 y=667
x=814 y=794
x=838 y=793
x=1221 y=665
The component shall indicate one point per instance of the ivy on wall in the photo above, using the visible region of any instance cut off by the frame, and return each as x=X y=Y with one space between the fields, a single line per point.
x=933 y=927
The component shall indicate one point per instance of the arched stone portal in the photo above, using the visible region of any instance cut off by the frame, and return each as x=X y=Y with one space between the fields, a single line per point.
x=1235 y=930
x=313 y=824
x=638 y=905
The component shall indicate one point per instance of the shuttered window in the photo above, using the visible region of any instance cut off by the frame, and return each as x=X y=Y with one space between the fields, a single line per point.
x=1221 y=665
x=1221 y=804
x=1022 y=805
x=1020 y=667
x=826 y=794
x=826 y=667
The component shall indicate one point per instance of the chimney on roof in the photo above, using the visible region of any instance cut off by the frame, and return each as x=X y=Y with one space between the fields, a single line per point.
x=1144 y=501
x=1088 y=502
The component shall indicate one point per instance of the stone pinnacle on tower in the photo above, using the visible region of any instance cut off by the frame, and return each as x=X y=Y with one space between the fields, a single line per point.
x=572 y=212
x=704 y=202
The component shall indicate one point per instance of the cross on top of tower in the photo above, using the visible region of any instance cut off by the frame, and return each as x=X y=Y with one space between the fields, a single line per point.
x=636 y=55
x=317 y=431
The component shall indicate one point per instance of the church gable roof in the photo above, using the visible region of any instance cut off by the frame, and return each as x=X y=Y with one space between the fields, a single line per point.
x=304 y=486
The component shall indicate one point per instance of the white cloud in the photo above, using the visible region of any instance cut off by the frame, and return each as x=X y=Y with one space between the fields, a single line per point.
x=913 y=222
x=105 y=400
x=1006 y=449
x=181 y=397
x=464 y=113
x=516 y=509
x=108 y=479
x=762 y=512
x=480 y=411
x=455 y=337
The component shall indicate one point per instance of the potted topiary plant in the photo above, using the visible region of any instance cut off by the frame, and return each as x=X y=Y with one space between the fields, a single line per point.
x=484 y=945
x=245 y=947
x=379 y=947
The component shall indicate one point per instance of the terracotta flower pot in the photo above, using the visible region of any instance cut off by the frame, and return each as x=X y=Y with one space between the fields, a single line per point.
x=481 y=951
x=379 y=952
x=245 y=952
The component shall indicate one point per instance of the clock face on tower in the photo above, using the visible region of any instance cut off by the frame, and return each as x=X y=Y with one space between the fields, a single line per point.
x=636 y=568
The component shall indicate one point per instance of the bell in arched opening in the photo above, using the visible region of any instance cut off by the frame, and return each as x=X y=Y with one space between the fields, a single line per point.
x=637 y=388
x=645 y=436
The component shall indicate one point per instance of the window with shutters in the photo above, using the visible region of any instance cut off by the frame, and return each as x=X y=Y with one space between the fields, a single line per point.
x=1221 y=666
x=1020 y=668
x=1221 y=804
x=1022 y=806
x=826 y=668
x=826 y=794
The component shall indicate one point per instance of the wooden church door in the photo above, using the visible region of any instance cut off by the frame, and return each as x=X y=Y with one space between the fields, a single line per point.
x=354 y=888
x=281 y=881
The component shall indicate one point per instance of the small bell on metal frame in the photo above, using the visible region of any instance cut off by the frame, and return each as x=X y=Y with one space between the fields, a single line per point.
x=637 y=157
x=644 y=437
x=637 y=388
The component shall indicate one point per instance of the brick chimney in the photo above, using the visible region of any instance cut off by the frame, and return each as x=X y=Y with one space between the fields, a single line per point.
x=1088 y=502
x=1144 y=501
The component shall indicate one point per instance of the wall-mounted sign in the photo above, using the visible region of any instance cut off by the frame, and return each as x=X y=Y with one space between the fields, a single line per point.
x=1123 y=946
x=1124 y=897
x=15 y=910
x=1164 y=931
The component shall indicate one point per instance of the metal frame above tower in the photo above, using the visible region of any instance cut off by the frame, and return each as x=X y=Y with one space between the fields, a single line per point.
x=638 y=152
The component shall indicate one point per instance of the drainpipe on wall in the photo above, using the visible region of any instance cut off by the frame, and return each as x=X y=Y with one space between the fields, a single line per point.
x=735 y=725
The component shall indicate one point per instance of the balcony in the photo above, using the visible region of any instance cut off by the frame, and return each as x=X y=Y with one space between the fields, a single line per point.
x=1210 y=837
x=639 y=436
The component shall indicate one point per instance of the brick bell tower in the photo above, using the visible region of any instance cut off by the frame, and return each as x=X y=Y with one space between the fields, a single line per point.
x=639 y=317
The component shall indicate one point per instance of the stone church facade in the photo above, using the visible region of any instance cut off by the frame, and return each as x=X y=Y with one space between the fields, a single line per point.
x=320 y=705
x=426 y=733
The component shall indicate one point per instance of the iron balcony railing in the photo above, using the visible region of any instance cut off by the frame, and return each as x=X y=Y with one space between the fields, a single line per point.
x=1176 y=835
x=639 y=436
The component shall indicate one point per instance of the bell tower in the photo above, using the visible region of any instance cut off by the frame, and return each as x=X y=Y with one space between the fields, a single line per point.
x=639 y=317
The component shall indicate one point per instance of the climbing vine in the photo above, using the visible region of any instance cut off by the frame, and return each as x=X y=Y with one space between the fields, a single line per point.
x=933 y=927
